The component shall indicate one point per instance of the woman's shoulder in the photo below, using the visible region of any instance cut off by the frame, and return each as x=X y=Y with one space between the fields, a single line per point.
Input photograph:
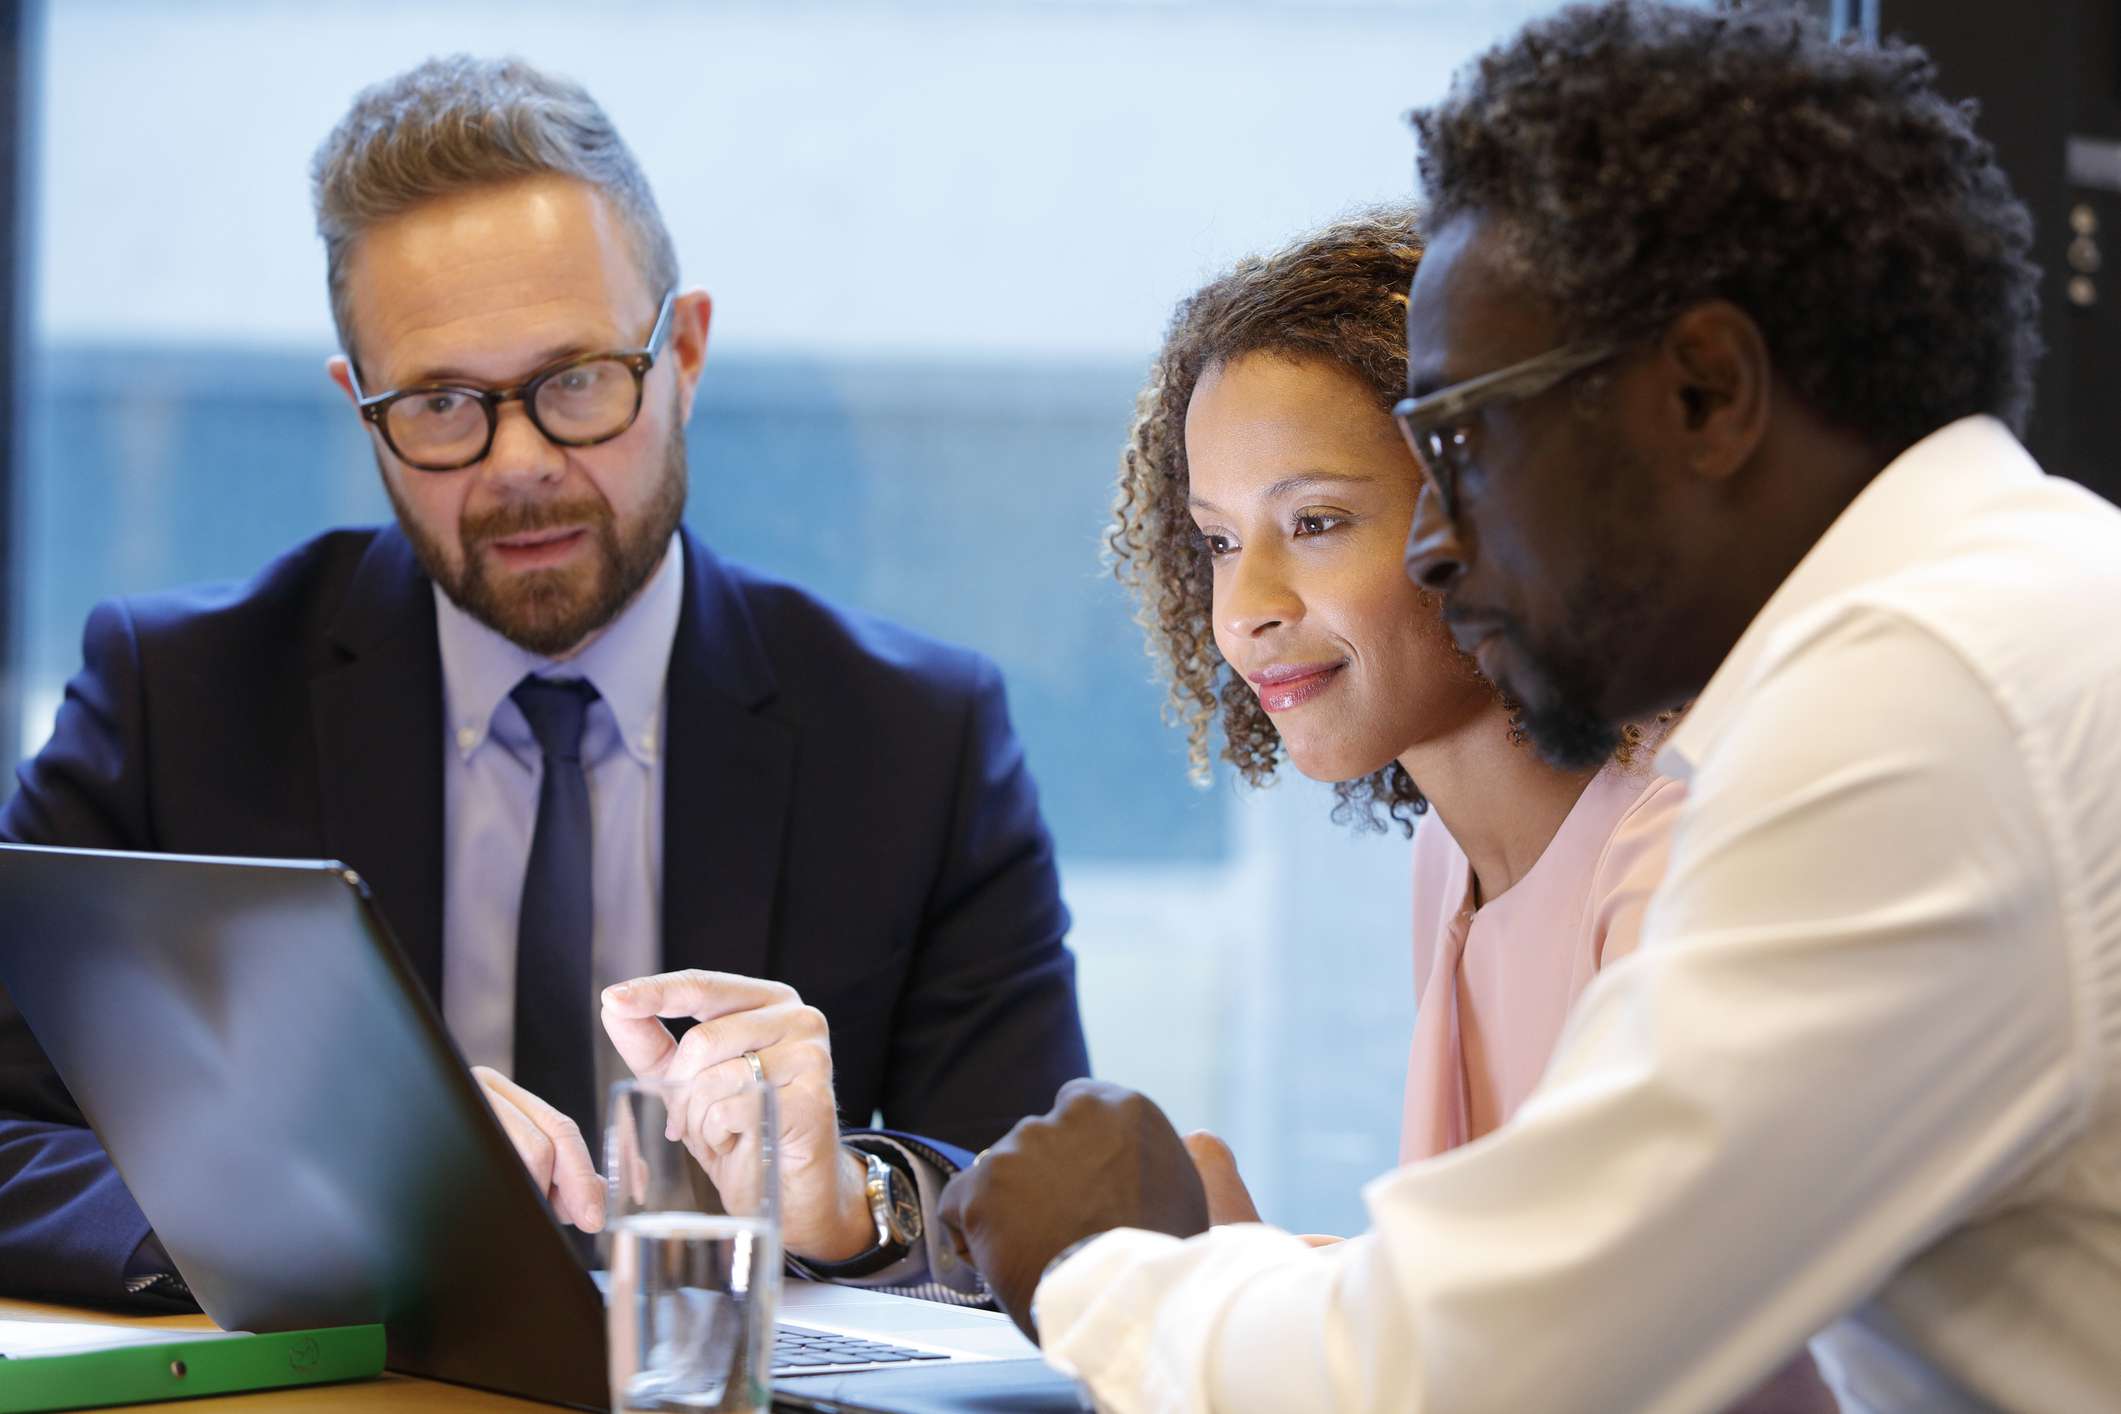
x=1441 y=875
x=1632 y=862
x=1656 y=803
x=1627 y=795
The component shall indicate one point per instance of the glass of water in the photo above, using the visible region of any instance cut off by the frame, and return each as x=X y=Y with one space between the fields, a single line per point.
x=695 y=1258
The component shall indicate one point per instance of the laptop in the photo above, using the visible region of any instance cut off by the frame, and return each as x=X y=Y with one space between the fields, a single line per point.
x=278 y=1092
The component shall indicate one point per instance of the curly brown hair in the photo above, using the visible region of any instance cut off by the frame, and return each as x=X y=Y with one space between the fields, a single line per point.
x=1338 y=295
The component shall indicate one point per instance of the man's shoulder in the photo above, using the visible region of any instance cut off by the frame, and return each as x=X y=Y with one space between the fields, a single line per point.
x=815 y=644
x=1975 y=652
x=311 y=576
x=2006 y=593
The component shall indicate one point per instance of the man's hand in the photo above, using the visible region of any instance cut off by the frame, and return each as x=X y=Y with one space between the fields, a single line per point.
x=824 y=1207
x=551 y=1147
x=1102 y=1158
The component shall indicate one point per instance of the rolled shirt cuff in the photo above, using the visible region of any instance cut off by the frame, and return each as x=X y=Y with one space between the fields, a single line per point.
x=1136 y=1315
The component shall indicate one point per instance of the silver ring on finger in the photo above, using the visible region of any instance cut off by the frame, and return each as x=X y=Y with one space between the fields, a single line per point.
x=758 y=1068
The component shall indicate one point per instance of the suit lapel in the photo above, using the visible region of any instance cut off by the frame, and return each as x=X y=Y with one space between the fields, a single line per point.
x=729 y=768
x=377 y=713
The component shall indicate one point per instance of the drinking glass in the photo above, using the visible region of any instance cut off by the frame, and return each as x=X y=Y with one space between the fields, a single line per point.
x=695 y=1259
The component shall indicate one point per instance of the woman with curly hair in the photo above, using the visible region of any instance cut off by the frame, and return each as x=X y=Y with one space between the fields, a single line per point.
x=1264 y=498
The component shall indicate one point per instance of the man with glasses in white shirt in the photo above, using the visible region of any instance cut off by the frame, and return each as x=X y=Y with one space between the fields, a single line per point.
x=1716 y=357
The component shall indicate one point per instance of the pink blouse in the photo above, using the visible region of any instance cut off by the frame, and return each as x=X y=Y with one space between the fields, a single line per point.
x=1493 y=986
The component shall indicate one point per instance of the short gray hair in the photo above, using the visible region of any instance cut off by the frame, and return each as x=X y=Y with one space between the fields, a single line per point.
x=456 y=124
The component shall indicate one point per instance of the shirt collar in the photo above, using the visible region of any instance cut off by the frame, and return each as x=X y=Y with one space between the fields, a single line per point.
x=627 y=664
x=1898 y=519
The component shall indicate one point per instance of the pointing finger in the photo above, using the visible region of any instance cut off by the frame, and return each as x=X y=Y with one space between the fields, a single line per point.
x=695 y=993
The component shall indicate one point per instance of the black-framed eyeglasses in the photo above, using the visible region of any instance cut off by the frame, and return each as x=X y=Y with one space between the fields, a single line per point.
x=1438 y=425
x=576 y=402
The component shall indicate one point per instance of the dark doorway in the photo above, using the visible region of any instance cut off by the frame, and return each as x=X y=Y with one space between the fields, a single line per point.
x=2048 y=79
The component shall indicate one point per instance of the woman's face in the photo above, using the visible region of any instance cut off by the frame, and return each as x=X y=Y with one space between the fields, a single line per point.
x=1303 y=490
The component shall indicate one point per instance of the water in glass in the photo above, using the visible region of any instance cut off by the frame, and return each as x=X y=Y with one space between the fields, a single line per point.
x=695 y=1254
x=692 y=1311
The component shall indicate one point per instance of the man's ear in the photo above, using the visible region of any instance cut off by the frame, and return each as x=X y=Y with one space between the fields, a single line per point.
x=340 y=371
x=1722 y=381
x=689 y=318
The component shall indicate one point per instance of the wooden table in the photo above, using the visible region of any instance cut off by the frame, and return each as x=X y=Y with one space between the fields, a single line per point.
x=390 y=1394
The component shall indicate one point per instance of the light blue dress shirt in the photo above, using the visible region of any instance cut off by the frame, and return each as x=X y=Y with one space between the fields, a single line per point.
x=490 y=775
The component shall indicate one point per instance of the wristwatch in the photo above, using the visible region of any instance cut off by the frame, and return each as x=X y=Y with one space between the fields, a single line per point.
x=894 y=1205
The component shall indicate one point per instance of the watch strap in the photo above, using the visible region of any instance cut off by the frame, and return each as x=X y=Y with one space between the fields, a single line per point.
x=878 y=1170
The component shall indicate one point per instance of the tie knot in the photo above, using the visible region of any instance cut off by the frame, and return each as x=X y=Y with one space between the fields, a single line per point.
x=555 y=711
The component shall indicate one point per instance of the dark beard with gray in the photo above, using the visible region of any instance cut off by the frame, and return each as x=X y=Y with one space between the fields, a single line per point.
x=1569 y=735
x=551 y=611
x=1572 y=682
x=1559 y=687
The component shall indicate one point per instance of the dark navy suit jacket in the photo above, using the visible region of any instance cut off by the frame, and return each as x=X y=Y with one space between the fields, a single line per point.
x=846 y=809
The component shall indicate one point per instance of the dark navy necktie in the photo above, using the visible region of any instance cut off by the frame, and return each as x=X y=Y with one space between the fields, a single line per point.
x=555 y=1055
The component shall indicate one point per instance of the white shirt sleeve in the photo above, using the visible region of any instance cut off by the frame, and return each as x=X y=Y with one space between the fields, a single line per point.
x=1849 y=1026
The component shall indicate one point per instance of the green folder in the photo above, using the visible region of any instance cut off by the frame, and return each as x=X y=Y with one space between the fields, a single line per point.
x=186 y=1368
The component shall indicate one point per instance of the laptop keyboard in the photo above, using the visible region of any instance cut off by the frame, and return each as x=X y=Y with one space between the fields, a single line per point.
x=799 y=1350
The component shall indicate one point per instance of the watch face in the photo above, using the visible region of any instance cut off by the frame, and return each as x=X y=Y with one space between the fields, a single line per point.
x=905 y=1204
